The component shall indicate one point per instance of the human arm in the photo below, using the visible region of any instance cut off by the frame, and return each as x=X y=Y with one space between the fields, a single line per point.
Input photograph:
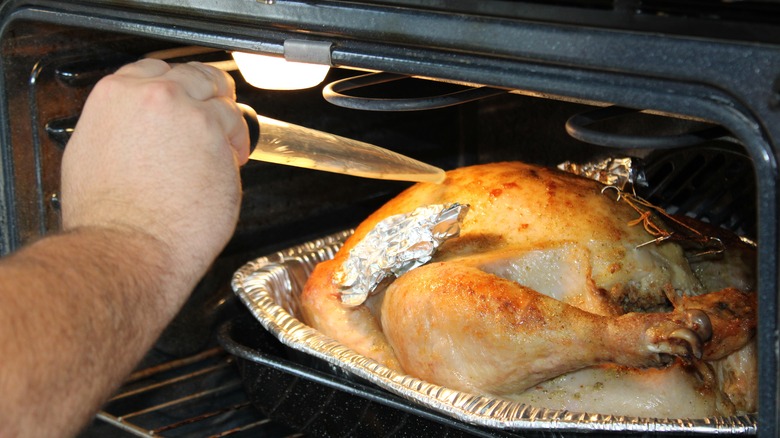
x=150 y=194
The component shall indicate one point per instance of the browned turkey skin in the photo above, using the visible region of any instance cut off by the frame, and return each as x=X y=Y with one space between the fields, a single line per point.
x=546 y=280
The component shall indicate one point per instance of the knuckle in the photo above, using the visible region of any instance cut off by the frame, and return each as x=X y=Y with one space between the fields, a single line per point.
x=201 y=117
x=221 y=81
x=160 y=92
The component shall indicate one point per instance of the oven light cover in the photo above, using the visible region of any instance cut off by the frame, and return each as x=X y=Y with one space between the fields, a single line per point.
x=276 y=73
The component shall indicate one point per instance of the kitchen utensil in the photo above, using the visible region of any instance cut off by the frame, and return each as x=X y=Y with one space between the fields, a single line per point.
x=279 y=142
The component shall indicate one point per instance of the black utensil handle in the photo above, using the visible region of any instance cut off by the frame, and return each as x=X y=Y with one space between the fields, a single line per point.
x=251 y=122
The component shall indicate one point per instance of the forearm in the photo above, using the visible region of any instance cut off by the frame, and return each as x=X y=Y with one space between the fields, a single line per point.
x=77 y=312
x=156 y=148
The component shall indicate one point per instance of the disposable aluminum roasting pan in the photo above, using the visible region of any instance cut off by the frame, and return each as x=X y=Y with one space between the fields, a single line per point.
x=270 y=287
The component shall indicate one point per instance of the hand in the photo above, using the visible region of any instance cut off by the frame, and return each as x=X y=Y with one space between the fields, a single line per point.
x=157 y=150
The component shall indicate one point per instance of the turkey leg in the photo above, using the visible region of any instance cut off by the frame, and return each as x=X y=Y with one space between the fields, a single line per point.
x=473 y=331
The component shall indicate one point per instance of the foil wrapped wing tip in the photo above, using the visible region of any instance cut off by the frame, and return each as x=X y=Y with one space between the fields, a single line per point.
x=621 y=172
x=395 y=246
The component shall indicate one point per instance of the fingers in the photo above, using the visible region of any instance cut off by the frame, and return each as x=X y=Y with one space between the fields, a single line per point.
x=232 y=123
x=209 y=85
x=202 y=82
x=145 y=68
x=213 y=86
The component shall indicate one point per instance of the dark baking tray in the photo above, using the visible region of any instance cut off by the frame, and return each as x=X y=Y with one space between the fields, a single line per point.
x=311 y=396
x=319 y=400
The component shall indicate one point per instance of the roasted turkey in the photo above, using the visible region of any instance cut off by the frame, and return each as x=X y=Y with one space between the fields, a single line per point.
x=556 y=294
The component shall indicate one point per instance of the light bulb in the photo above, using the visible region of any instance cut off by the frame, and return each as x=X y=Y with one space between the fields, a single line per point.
x=275 y=73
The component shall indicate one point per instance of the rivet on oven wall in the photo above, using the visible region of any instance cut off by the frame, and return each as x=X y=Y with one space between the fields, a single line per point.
x=54 y=200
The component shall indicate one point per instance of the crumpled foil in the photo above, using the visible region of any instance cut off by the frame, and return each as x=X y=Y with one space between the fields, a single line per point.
x=395 y=246
x=623 y=173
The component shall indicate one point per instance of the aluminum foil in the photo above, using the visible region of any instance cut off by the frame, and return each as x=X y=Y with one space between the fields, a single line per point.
x=622 y=173
x=270 y=287
x=395 y=246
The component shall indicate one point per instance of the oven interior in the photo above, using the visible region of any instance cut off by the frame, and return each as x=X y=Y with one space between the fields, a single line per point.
x=189 y=386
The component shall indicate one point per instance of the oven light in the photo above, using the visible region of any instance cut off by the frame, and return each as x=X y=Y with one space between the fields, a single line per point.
x=275 y=73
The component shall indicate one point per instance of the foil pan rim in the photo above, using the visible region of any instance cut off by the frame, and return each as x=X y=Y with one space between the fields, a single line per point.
x=258 y=285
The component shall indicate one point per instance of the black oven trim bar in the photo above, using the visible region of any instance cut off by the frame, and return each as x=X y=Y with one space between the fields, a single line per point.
x=688 y=76
x=705 y=70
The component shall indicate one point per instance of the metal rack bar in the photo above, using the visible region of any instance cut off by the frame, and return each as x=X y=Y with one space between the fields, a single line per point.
x=172 y=381
x=205 y=416
x=167 y=366
x=183 y=400
x=216 y=410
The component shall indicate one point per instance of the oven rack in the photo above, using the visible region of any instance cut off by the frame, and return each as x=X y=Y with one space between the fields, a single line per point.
x=195 y=396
